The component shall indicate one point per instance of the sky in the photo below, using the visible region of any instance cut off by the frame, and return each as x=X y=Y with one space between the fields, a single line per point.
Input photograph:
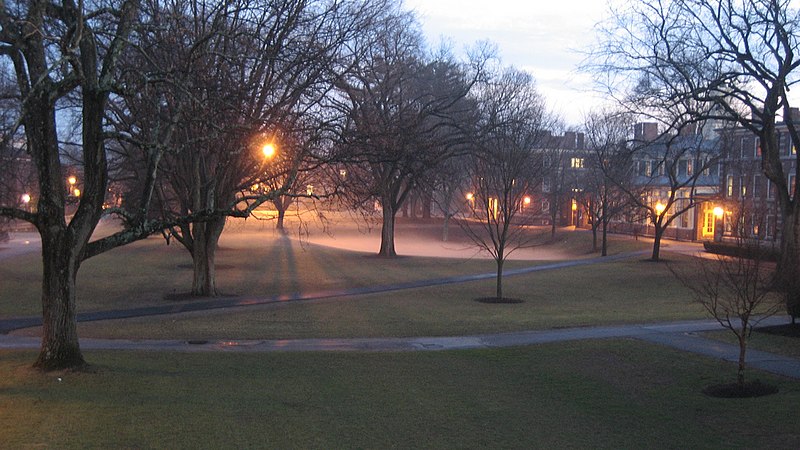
x=545 y=38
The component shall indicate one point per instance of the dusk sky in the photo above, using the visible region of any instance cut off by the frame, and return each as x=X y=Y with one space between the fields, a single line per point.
x=543 y=38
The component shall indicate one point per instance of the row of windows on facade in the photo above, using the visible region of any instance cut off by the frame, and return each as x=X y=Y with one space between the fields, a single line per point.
x=761 y=186
x=686 y=167
x=750 y=146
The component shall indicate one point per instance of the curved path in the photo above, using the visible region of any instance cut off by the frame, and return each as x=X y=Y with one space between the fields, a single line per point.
x=679 y=335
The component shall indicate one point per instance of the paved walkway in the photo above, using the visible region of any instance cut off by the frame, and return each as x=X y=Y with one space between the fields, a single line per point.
x=679 y=335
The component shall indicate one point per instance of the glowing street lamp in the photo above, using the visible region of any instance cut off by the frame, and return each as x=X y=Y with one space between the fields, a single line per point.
x=72 y=180
x=660 y=207
x=719 y=212
x=26 y=198
x=268 y=150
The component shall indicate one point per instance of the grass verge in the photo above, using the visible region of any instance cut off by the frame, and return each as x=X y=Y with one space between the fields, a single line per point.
x=578 y=296
x=566 y=395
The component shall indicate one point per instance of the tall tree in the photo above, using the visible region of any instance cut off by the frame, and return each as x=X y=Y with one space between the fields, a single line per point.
x=506 y=166
x=234 y=76
x=63 y=55
x=607 y=135
x=402 y=117
x=734 y=59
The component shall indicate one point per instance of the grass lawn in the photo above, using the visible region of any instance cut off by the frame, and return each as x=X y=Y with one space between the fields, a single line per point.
x=262 y=263
x=600 y=394
x=580 y=296
x=781 y=345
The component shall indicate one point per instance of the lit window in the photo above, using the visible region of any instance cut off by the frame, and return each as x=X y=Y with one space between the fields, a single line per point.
x=576 y=163
x=729 y=186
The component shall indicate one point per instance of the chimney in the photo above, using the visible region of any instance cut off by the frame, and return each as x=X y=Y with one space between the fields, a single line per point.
x=569 y=140
x=645 y=131
x=794 y=114
x=690 y=129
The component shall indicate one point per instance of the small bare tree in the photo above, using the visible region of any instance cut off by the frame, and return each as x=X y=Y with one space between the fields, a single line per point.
x=506 y=166
x=737 y=291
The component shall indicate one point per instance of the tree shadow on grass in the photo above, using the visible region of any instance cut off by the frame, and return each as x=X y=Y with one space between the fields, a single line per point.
x=734 y=390
x=499 y=300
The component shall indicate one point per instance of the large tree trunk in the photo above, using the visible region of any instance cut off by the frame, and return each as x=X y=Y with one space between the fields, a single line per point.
x=387 y=231
x=281 y=205
x=789 y=264
x=659 y=232
x=206 y=238
x=60 y=348
x=604 y=244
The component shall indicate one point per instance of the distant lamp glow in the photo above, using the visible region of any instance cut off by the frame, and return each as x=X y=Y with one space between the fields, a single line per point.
x=76 y=192
x=268 y=150
x=719 y=212
x=26 y=198
x=72 y=180
x=574 y=205
x=660 y=207
x=526 y=201
x=470 y=196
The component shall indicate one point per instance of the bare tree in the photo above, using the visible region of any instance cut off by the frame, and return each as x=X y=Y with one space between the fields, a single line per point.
x=733 y=60
x=402 y=117
x=231 y=78
x=607 y=134
x=737 y=291
x=56 y=50
x=66 y=59
x=506 y=166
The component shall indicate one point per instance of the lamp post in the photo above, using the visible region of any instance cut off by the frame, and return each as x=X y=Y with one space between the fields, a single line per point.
x=719 y=213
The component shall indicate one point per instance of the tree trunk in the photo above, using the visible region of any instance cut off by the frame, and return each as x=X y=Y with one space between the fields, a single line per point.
x=595 y=224
x=60 y=348
x=659 y=231
x=789 y=264
x=499 y=290
x=281 y=205
x=387 y=231
x=446 y=227
x=742 y=353
x=206 y=238
x=427 y=204
x=281 y=215
x=604 y=251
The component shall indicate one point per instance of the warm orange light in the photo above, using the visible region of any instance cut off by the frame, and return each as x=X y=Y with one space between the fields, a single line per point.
x=526 y=200
x=26 y=198
x=72 y=180
x=574 y=205
x=76 y=192
x=470 y=196
x=268 y=150
x=719 y=212
x=660 y=207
